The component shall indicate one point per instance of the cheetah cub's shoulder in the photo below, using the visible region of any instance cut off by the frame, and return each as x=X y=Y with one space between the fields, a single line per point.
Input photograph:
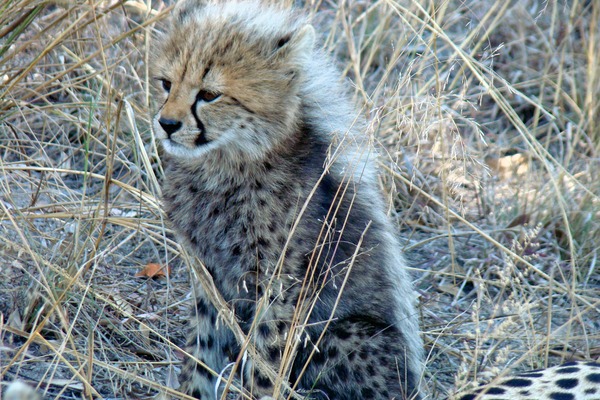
x=268 y=182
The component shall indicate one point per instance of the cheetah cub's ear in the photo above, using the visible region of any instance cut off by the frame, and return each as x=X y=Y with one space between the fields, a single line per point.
x=297 y=46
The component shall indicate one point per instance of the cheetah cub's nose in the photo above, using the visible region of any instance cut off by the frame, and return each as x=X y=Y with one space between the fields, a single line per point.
x=169 y=125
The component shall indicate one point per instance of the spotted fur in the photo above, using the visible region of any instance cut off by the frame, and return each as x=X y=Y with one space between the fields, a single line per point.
x=571 y=381
x=268 y=181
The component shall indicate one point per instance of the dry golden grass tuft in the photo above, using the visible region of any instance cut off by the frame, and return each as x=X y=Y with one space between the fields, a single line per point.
x=487 y=115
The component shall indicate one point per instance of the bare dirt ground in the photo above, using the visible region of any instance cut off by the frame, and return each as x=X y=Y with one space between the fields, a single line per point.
x=486 y=114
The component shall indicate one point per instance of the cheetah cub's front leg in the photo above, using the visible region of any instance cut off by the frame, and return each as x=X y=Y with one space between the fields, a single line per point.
x=214 y=349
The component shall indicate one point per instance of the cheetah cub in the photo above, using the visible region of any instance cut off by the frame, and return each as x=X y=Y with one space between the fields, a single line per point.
x=268 y=182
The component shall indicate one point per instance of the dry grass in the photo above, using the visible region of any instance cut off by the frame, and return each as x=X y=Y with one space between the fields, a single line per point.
x=488 y=116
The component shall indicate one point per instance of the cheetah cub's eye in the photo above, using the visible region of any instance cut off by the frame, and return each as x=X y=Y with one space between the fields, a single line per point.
x=166 y=85
x=207 y=96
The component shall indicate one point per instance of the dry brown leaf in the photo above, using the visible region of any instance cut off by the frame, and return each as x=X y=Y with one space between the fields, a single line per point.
x=153 y=270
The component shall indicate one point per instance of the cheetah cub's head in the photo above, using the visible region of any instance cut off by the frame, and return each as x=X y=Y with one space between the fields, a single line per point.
x=229 y=77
